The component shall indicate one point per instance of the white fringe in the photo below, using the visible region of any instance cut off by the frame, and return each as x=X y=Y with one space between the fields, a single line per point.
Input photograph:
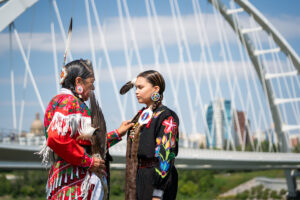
x=45 y=152
x=76 y=195
x=66 y=176
x=56 y=182
x=76 y=122
x=72 y=174
x=85 y=186
x=77 y=172
x=60 y=180
x=47 y=189
x=70 y=194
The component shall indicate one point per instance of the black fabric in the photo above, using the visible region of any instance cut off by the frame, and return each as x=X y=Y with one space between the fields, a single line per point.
x=144 y=188
x=149 y=178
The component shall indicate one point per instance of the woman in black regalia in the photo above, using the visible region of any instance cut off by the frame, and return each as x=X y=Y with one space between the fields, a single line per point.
x=152 y=143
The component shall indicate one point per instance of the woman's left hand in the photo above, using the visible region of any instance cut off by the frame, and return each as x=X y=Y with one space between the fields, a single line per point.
x=124 y=127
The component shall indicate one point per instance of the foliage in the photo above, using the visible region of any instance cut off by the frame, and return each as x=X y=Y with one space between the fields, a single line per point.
x=192 y=184
x=296 y=149
x=258 y=192
x=117 y=183
x=264 y=146
x=26 y=183
x=5 y=187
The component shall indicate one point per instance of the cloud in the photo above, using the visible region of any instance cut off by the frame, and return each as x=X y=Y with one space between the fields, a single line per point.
x=196 y=69
x=19 y=103
x=19 y=80
x=211 y=70
x=287 y=25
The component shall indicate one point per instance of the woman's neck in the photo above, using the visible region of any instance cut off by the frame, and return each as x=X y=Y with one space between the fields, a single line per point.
x=149 y=104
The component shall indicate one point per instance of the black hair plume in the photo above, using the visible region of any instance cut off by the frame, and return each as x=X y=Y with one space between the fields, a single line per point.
x=125 y=88
x=99 y=138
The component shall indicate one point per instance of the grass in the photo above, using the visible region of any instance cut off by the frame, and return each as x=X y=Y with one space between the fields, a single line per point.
x=225 y=182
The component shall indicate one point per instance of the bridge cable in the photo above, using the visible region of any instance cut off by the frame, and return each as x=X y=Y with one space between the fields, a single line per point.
x=26 y=74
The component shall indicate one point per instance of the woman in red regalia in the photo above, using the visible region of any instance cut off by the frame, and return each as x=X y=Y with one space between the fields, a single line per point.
x=68 y=132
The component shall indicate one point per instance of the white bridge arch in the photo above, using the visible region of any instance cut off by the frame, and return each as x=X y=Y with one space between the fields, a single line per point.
x=206 y=70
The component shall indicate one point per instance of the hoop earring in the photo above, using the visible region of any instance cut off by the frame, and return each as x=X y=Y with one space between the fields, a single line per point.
x=79 y=90
x=155 y=96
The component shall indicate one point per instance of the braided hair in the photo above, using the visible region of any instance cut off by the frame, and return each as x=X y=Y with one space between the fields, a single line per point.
x=153 y=77
x=77 y=68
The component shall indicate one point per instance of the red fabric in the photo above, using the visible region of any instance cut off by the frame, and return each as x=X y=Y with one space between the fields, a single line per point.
x=67 y=148
x=66 y=176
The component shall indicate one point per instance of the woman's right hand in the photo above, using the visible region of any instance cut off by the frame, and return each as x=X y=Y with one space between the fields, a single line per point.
x=124 y=127
x=98 y=165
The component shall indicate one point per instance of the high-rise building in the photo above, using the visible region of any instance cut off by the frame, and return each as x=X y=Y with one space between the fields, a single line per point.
x=226 y=126
x=241 y=128
x=218 y=118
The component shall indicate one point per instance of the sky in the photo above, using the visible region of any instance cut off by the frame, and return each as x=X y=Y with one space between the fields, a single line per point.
x=188 y=89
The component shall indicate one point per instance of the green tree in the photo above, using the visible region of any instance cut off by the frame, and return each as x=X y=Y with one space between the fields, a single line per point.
x=5 y=187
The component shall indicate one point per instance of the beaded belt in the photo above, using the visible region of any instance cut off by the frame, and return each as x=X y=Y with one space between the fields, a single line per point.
x=147 y=163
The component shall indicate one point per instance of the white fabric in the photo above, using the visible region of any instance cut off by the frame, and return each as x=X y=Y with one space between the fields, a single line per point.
x=98 y=191
x=158 y=193
x=133 y=81
x=45 y=152
x=65 y=91
x=72 y=121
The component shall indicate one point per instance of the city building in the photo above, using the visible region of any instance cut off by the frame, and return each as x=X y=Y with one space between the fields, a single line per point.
x=227 y=127
x=218 y=118
x=195 y=140
x=35 y=136
x=37 y=127
x=295 y=140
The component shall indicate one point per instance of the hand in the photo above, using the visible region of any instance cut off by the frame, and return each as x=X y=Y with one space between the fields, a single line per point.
x=124 y=127
x=98 y=166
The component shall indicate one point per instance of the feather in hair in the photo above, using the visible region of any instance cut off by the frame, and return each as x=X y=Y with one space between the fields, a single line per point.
x=126 y=87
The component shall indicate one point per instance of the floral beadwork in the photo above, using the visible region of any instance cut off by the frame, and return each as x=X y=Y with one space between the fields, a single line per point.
x=165 y=144
x=66 y=105
x=164 y=160
x=87 y=161
x=170 y=125
x=113 y=138
x=156 y=114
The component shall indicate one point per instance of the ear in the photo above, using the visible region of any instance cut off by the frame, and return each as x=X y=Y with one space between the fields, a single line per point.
x=78 y=80
x=156 y=88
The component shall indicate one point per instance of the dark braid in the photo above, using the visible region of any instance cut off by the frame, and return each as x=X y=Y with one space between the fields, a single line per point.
x=157 y=103
x=73 y=90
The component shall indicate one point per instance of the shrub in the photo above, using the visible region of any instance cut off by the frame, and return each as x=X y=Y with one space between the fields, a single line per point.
x=243 y=196
x=188 y=189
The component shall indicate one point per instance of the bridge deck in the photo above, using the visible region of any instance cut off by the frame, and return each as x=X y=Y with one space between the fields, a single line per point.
x=13 y=156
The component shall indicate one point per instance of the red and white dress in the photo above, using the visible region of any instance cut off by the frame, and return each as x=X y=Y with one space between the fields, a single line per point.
x=67 y=118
